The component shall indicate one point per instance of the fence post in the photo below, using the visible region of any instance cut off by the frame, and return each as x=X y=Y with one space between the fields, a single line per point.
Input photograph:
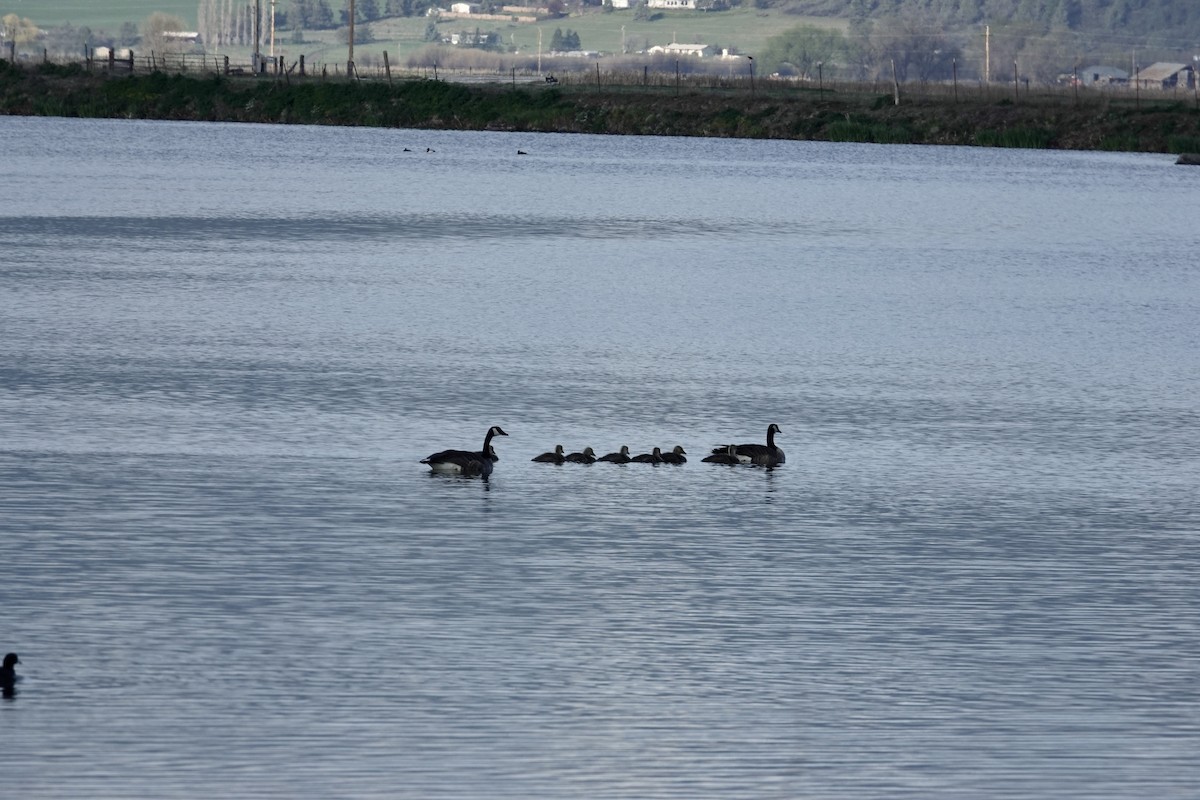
x=112 y=59
x=954 y=68
x=301 y=65
x=597 y=76
x=1016 y=84
x=387 y=67
x=895 y=83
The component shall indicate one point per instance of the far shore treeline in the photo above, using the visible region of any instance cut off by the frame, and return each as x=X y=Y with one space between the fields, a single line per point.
x=986 y=116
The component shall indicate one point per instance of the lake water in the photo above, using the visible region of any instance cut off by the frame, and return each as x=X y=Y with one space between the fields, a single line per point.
x=224 y=350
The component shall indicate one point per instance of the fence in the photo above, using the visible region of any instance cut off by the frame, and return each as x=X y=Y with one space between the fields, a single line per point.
x=653 y=78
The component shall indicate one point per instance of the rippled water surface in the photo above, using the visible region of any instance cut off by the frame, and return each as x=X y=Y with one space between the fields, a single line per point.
x=225 y=349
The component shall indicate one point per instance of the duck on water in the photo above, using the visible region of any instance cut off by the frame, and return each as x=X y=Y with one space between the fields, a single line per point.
x=555 y=457
x=587 y=456
x=8 y=674
x=467 y=462
x=621 y=457
x=768 y=455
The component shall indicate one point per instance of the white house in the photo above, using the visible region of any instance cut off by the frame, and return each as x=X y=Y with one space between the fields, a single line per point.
x=464 y=8
x=671 y=4
x=677 y=49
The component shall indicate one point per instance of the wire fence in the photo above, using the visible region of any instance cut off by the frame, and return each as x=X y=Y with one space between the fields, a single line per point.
x=654 y=78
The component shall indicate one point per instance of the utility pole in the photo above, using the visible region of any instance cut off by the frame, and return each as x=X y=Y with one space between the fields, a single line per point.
x=350 y=60
x=987 y=53
x=272 y=28
x=257 y=34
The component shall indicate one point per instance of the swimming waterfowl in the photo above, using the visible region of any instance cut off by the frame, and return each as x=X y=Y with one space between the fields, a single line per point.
x=653 y=457
x=8 y=675
x=467 y=462
x=728 y=456
x=588 y=456
x=618 y=458
x=556 y=457
x=676 y=456
x=767 y=455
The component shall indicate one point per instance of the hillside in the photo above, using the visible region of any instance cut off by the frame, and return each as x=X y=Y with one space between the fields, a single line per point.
x=1041 y=40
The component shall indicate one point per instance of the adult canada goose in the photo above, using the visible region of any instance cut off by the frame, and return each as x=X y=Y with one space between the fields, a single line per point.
x=588 y=456
x=767 y=455
x=467 y=462
x=8 y=675
x=727 y=456
x=654 y=457
x=556 y=457
x=617 y=458
x=676 y=456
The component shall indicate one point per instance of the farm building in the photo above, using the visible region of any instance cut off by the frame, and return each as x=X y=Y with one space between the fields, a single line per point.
x=1165 y=76
x=1102 y=76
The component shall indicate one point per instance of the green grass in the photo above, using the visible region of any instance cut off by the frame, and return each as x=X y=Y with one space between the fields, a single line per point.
x=745 y=30
x=107 y=15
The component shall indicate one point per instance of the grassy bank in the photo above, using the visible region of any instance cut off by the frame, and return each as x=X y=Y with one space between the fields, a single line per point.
x=721 y=109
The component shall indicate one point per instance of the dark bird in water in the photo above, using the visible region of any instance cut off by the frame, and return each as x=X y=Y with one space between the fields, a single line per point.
x=727 y=456
x=654 y=457
x=8 y=675
x=430 y=150
x=767 y=455
x=588 y=456
x=618 y=458
x=522 y=153
x=467 y=462
x=556 y=457
x=676 y=456
x=407 y=150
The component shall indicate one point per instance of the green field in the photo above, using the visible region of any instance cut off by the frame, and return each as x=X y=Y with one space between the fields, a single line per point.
x=107 y=15
x=744 y=30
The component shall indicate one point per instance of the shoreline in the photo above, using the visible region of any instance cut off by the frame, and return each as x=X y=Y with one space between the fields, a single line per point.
x=1151 y=124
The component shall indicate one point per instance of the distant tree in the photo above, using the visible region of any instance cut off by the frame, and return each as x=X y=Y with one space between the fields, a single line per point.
x=431 y=32
x=18 y=29
x=323 y=16
x=367 y=10
x=155 y=29
x=128 y=35
x=571 y=41
x=798 y=50
x=303 y=13
x=556 y=41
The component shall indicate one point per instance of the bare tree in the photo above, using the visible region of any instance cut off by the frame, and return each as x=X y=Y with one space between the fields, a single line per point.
x=155 y=29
